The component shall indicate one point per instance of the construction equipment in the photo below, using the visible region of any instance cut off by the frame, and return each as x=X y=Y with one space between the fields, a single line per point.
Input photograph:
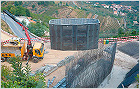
x=35 y=53
x=15 y=41
x=10 y=50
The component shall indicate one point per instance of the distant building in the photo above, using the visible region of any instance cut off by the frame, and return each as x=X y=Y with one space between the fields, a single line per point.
x=23 y=18
x=123 y=14
x=114 y=9
x=103 y=4
x=135 y=22
x=115 y=12
x=106 y=6
x=47 y=33
x=129 y=8
x=135 y=10
x=87 y=1
x=30 y=20
x=97 y=3
x=111 y=6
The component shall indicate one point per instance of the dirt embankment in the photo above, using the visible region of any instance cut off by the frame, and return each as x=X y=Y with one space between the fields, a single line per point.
x=4 y=36
x=5 y=27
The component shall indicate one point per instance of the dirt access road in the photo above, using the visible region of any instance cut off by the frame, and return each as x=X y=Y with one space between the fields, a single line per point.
x=50 y=58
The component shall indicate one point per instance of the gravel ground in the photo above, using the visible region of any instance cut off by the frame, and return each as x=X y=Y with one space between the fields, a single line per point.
x=122 y=64
x=51 y=58
x=59 y=74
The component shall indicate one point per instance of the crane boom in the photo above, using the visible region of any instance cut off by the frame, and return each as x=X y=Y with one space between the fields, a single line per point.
x=21 y=24
x=29 y=44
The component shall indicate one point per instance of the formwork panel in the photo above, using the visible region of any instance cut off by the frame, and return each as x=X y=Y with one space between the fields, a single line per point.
x=74 y=33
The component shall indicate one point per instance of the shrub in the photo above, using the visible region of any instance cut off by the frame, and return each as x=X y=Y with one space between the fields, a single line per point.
x=137 y=79
x=19 y=76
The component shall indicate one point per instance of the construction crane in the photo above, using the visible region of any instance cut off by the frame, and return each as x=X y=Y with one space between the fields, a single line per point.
x=36 y=51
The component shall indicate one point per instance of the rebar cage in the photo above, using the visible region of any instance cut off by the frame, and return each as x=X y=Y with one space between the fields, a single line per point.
x=74 y=33
x=90 y=67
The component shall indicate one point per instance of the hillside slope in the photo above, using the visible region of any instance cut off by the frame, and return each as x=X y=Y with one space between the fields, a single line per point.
x=46 y=10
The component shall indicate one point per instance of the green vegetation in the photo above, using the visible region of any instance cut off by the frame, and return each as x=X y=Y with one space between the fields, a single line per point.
x=44 y=3
x=137 y=79
x=20 y=76
x=38 y=29
x=17 y=10
x=33 y=6
x=49 y=10
x=43 y=18
x=18 y=3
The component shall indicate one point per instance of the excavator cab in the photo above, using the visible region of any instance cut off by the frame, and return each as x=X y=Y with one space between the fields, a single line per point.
x=38 y=52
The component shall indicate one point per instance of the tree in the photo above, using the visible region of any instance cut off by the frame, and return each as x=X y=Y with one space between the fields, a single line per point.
x=27 y=12
x=9 y=6
x=56 y=12
x=20 y=11
x=38 y=29
x=39 y=3
x=12 y=10
x=33 y=6
x=127 y=33
x=18 y=3
x=67 y=4
x=24 y=22
x=3 y=8
x=60 y=4
x=120 y=31
x=20 y=76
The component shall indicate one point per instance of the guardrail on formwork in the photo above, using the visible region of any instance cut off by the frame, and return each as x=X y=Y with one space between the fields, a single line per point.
x=120 y=39
x=111 y=40
x=45 y=39
x=24 y=39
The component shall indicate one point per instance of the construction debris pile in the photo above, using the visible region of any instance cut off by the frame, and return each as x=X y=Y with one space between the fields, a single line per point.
x=48 y=69
x=89 y=68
